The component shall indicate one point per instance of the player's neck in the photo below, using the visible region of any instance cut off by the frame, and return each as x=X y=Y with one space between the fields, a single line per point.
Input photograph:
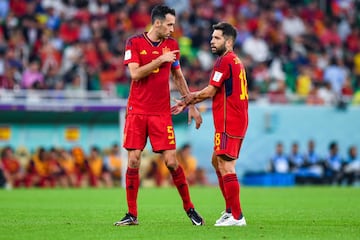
x=226 y=52
x=152 y=35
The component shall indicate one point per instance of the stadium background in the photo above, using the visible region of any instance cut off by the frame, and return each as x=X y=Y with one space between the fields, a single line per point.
x=90 y=114
x=268 y=125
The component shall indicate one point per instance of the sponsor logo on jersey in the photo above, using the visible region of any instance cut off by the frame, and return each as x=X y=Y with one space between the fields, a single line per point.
x=143 y=52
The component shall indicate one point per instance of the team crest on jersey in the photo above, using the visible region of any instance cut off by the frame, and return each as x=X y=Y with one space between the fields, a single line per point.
x=165 y=50
x=155 y=52
x=143 y=52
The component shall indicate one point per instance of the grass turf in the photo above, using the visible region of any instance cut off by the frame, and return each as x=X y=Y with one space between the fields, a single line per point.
x=271 y=213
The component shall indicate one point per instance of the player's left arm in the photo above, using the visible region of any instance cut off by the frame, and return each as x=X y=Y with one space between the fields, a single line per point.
x=180 y=82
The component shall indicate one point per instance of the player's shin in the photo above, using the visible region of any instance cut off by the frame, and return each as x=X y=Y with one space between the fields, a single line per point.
x=132 y=188
x=179 y=180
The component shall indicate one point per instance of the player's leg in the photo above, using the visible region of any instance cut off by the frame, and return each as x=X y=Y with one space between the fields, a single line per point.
x=227 y=151
x=178 y=177
x=182 y=186
x=232 y=192
x=134 y=142
x=162 y=138
x=132 y=183
x=227 y=212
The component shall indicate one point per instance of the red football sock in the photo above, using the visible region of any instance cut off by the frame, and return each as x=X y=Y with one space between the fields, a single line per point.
x=182 y=187
x=221 y=185
x=132 y=188
x=232 y=190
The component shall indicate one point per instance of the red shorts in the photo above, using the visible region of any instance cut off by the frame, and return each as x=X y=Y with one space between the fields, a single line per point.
x=159 y=129
x=227 y=145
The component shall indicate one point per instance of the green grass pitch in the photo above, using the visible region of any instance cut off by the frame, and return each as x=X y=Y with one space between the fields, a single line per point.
x=271 y=213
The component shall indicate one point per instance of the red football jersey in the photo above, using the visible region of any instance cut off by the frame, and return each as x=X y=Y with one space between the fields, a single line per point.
x=230 y=103
x=150 y=95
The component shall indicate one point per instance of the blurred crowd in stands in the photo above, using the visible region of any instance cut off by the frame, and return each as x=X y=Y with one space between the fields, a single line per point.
x=294 y=51
x=58 y=167
x=310 y=167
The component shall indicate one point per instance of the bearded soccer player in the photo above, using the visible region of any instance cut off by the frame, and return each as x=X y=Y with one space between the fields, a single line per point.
x=228 y=89
x=151 y=57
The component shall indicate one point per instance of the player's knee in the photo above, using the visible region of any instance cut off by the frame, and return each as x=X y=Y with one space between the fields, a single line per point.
x=171 y=165
x=134 y=163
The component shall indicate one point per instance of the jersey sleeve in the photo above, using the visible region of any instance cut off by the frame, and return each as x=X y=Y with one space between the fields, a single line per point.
x=131 y=54
x=219 y=73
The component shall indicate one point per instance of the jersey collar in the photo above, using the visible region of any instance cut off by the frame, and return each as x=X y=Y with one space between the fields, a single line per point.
x=151 y=42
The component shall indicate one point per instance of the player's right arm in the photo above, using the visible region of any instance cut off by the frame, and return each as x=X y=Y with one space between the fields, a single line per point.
x=138 y=72
x=199 y=96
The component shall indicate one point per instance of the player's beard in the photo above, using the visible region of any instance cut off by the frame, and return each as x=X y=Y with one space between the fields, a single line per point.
x=219 y=51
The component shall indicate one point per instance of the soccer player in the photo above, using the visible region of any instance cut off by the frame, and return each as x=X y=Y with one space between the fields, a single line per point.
x=151 y=57
x=228 y=90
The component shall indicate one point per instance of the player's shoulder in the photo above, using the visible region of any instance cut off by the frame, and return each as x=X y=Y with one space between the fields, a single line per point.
x=231 y=57
x=134 y=38
x=172 y=41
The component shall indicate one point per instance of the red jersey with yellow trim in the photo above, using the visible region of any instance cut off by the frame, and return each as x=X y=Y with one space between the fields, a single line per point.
x=230 y=103
x=150 y=95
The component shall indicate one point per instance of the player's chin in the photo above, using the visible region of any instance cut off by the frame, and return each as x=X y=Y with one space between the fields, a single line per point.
x=213 y=49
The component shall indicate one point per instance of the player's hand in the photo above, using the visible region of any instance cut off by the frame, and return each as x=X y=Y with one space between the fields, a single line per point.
x=169 y=56
x=178 y=107
x=194 y=114
x=189 y=98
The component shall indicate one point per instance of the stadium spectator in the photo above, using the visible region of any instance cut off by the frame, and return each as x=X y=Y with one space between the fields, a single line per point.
x=140 y=17
x=313 y=170
x=23 y=155
x=156 y=172
x=333 y=164
x=97 y=172
x=320 y=28
x=296 y=159
x=279 y=163
x=113 y=164
x=188 y=163
x=292 y=25
x=304 y=82
x=32 y=75
x=12 y=168
x=40 y=170
x=67 y=165
x=336 y=75
x=351 y=167
x=325 y=95
x=3 y=177
x=257 y=47
x=54 y=168
x=80 y=164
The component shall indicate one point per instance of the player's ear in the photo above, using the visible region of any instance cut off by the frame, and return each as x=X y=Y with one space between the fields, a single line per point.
x=229 y=42
x=157 y=22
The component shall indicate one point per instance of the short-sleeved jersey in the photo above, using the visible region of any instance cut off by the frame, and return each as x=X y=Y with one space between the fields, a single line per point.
x=149 y=95
x=230 y=103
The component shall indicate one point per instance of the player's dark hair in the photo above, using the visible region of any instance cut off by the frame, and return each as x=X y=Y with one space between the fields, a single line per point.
x=160 y=11
x=227 y=29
